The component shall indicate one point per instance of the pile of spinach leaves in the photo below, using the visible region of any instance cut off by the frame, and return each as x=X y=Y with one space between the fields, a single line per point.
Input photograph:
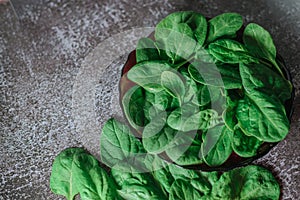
x=137 y=175
x=202 y=92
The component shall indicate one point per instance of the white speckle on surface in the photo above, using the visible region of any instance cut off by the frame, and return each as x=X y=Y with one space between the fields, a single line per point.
x=42 y=54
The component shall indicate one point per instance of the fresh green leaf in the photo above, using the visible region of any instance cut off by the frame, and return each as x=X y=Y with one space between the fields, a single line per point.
x=182 y=190
x=148 y=74
x=216 y=147
x=136 y=185
x=146 y=50
x=62 y=179
x=133 y=103
x=117 y=143
x=260 y=43
x=243 y=145
x=157 y=136
x=251 y=182
x=173 y=84
x=230 y=51
x=187 y=118
x=76 y=172
x=258 y=77
x=227 y=76
x=224 y=25
x=262 y=116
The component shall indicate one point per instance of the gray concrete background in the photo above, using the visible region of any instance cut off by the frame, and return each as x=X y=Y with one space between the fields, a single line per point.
x=42 y=52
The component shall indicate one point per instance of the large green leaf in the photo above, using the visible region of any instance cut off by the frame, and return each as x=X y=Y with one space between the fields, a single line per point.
x=76 y=172
x=262 y=116
x=117 y=143
x=224 y=25
x=148 y=74
x=182 y=190
x=251 y=182
x=225 y=75
x=216 y=147
x=136 y=185
x=259 y=77
x=243 y=145
x=260 y=43
x=230 y=51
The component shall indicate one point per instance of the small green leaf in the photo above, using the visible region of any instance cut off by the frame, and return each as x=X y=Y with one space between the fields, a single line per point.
x=188 y=118
x=173 y=84
x=243 y=145
x=117 y=143
x=146 y=50
x=148 y=74
x=133 y=103
x=224 y=25
x=216 y=147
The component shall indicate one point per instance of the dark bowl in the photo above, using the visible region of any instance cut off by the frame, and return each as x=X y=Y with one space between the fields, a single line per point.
x=234 y=160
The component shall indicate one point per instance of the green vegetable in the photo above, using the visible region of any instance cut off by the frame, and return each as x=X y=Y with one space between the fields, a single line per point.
x=224 y=25
x=229 y=51
x=173 y=84
x=146 y=50
x=260 y=43
x=216 y=147
x=251 y=182
x=117 y=143
x=263 y=117
x=148 y=74
x=76 y=172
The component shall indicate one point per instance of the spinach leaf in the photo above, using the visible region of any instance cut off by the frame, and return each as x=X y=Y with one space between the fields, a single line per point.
x=197 y=94
x=148 y=74
x=62 y=179
x=260 y=43
x=182 y=190
x=225 y=75
x=243 y=145
x=133 y=103
x=262 y=116
x=146 y=50
x=185 y=154
x=230 y=51
x=157 y=136
x=178 y=42
x=251 y=182
x=216 y=147
x=117 y=143
x=74 y=171
x=194 y=20
x=186 y=118
x=173 y=84
x=224 y=25
x=136 y=185
x=258 y=77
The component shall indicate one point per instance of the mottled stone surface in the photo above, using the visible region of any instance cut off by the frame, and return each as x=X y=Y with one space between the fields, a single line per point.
x=45 y=47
